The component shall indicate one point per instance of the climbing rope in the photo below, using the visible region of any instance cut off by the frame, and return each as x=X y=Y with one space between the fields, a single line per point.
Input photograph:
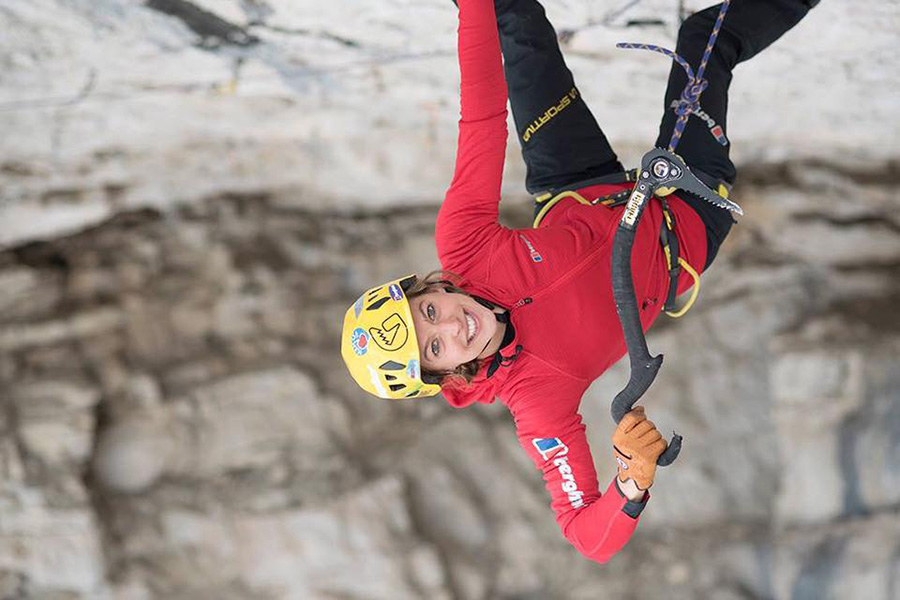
x=690 y=97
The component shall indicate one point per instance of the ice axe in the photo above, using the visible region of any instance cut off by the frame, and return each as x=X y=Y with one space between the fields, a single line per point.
x=661 y=172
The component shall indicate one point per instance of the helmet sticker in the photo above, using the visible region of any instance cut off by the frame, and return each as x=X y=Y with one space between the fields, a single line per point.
x=396 y=292
x=392 y=334
x=412 y=369
x=360 y=341
x=358 y=306
x=376 y=382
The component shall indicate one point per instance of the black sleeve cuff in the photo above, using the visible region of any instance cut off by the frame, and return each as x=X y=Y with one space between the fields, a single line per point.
x=632 y=509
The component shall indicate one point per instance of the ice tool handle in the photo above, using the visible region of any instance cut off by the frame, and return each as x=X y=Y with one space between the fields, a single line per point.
x=661 y=172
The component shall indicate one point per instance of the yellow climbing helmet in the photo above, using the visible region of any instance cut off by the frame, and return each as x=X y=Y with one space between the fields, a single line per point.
x=379 y=343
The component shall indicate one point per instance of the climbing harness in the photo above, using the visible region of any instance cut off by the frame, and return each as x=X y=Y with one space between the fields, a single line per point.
x=661 y=173
x=668 y=239
x=552 y=197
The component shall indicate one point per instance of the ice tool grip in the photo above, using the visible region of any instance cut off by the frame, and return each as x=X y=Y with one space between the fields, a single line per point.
x=657 y=169
x=643 y=366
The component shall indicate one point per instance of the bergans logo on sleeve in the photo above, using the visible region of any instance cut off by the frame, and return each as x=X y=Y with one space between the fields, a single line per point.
x=535 y=255
x=555 y=449
x=549 y=446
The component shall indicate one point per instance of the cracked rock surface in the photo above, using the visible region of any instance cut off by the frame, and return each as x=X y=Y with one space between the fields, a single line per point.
x=192 y=194
x=177 y=422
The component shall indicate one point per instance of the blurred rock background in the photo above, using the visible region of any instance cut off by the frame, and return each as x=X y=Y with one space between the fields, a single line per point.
x=192 y=193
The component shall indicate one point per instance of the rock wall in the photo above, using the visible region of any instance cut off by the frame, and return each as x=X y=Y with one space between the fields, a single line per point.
x=176 y=258
x=177 y=422
x=112 y=105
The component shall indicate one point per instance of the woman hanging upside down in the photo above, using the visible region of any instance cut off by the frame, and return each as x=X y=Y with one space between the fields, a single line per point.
x=527 y=316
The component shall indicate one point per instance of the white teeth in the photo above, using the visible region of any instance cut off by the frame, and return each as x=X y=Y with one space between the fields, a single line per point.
x=471 y=322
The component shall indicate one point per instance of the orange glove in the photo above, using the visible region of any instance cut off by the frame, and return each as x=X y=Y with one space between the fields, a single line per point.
x=636 y=446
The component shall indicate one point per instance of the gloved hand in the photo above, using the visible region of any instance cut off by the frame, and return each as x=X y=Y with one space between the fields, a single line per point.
x=636 y=446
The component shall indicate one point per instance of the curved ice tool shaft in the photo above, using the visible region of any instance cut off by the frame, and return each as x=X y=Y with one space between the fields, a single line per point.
x=661 y=171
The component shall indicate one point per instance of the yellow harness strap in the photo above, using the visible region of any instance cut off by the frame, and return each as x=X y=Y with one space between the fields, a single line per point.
x=675 y=262
x=695 y=289
x=547 y=202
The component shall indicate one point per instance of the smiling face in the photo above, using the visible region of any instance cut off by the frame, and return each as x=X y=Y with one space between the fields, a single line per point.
x=453 y=329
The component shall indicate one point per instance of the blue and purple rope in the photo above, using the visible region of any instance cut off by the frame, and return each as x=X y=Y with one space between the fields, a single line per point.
x=690 y=97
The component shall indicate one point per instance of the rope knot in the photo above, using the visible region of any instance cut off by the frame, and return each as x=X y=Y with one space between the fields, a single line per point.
x=690 y=97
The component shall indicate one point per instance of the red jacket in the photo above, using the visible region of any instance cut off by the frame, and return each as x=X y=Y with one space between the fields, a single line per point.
x=556 y=282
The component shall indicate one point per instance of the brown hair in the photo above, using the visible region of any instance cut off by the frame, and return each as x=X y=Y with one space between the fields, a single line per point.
x=451 y=283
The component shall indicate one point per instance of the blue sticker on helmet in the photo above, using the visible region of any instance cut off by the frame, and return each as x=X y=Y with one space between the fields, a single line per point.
x=412 y=369
x=360 y=340
x=358 y=306
x=396 y=292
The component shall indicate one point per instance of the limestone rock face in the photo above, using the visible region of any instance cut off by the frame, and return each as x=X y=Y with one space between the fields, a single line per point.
x=189 y=459
x=111 y=105
x=193 y=193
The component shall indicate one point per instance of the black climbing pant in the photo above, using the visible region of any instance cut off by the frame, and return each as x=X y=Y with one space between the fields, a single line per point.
x=561 y=141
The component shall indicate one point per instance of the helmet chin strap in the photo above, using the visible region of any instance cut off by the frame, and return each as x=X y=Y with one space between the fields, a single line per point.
x=502 y=317
x=485 y=303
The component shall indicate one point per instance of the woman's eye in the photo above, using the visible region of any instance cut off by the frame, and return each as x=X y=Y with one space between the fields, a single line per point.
x=435 y=348
x=429 y=310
